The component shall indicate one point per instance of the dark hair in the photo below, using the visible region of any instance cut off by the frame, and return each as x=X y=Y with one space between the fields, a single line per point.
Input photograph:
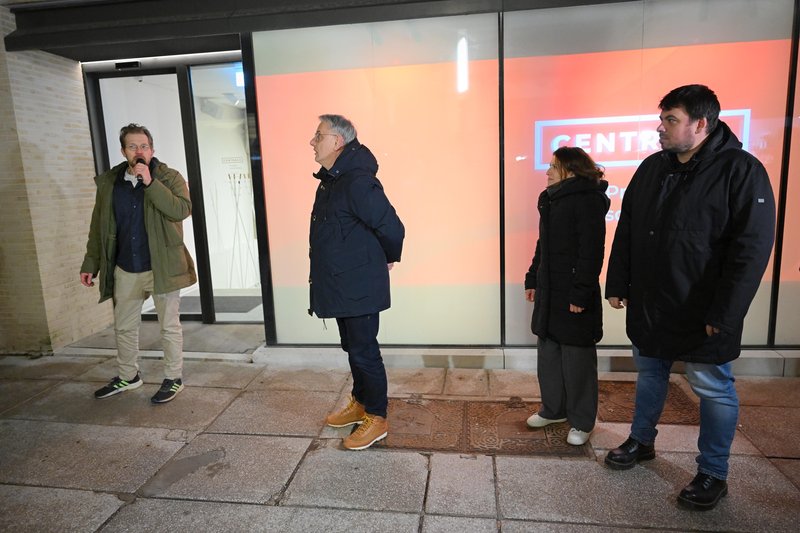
x=697 y=100
x=134 y=128
x=575 y=160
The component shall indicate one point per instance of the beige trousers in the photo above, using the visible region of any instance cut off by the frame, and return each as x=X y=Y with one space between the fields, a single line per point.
x=130 y=292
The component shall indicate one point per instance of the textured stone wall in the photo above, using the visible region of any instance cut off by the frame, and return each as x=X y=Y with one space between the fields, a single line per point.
x=46 y=197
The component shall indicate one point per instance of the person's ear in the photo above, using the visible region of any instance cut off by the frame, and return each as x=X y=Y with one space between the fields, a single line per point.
x=702 y=124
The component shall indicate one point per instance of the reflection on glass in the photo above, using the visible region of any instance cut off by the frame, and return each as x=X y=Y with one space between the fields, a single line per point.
x=592 y=77
x=787 y=327
x=219 y=104
x=437 y=149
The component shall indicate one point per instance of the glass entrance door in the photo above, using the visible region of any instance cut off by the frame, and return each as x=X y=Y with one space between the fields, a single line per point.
x=223 y=147
x=214 y=110
x=154 y=102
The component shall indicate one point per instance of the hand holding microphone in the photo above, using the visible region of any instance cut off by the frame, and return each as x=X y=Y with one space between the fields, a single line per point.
x=143 y=175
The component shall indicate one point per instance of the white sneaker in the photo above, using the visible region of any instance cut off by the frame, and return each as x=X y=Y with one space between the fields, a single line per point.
x=577 y=437
x=536 y=421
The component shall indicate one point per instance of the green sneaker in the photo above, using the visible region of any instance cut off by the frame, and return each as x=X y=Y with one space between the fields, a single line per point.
x=118 y=385
x=169 y=389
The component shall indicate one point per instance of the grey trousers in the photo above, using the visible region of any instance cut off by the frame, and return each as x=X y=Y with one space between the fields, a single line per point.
x=568 y=381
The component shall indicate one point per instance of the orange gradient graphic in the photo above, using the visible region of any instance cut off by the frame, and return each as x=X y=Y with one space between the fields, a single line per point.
x=624 y=84
x=438 y=149
x=437 y=152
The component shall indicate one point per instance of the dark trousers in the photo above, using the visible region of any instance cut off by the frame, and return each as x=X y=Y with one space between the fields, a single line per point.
x=568 y=382
x=359 y=335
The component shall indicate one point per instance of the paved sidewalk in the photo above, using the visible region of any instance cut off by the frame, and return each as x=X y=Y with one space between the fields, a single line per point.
x=244 y=448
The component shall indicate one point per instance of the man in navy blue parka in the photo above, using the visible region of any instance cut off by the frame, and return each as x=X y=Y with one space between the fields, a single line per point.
x=355 y=238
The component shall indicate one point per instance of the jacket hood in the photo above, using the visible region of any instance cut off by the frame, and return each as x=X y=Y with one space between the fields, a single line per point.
x=720 y=140
x=354 y=156
x=577 y=185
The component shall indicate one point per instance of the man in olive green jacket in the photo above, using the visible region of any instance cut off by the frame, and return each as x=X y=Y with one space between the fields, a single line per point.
x=136 y=246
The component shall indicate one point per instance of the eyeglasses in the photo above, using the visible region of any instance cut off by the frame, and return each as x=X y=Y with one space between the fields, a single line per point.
x=318 y=136
x=142 y=147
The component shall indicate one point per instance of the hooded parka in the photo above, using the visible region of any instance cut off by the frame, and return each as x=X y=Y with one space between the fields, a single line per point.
x=166 y=205
x=691 y=246
x=355 y=232
x=566 y=265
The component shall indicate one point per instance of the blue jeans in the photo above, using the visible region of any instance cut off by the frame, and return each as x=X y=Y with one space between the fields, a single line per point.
x=719 y=408
x=359 y=336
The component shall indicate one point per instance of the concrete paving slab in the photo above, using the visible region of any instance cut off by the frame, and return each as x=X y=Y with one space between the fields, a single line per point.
x=464 y=382
x=197 y=337
x=607 y=436
x=223 y=338
x=289 y=356
x=193 y=409
x=47 y=367
x=455 y=524
x=790 y=468
x=299 y=379
x=276 y=413
x=415 y=380
x=617 y=376
x=760 y=498
x=219 y=374
x=791 y=363
x=80 y=456
x=758 y=363
x=229 y=468
x=152 y=515
x=507 y=383
x=519 y=526
x=461 y=357
x=461 y=485
x=371 y=479
x=774 y=430
x=341 y=521
x=14 y=392
x=615 y=360
x=579 y=492
x=524 y=359
x=34 y=509
x=772 y=392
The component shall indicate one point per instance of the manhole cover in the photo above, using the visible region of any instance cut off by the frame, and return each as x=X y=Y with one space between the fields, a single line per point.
x=617 y=399
x=486 y=427
x=474 y=427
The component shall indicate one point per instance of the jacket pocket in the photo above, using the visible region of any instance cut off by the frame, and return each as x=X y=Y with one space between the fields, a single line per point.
x=110 y=248
x=177 y=264
x=350 y=271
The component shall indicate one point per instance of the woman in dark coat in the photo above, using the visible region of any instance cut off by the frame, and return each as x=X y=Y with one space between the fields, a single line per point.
x=563 y=283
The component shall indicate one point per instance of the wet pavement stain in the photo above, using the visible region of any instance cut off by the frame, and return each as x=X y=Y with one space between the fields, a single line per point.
x=175 y=471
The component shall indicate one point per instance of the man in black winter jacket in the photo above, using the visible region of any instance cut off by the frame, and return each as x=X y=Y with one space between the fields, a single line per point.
x=694 y=238
x=355 y=238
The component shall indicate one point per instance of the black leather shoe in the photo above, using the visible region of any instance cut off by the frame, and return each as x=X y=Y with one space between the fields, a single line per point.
x=629 y=453
x=703 y=493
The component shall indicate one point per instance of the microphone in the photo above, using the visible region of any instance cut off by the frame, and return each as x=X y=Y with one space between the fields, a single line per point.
x=142 y=161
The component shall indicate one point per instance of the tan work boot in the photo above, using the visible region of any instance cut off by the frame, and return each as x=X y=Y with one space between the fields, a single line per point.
x=373 y=429
x=353 y=413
